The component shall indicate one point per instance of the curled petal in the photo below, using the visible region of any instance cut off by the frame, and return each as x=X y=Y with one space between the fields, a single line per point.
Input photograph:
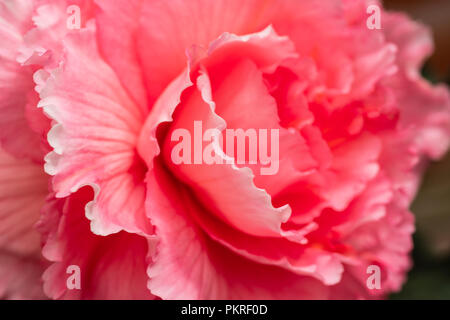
x=97 y=261
x=95 y=137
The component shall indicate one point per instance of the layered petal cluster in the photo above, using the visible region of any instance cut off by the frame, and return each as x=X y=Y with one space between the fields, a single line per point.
x=97 y=108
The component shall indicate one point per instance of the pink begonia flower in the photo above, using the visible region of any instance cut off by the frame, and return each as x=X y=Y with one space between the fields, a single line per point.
x=97 y=106
x=121 y=259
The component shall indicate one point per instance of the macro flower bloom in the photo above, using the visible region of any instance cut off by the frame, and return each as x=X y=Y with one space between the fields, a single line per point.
x=96 y=106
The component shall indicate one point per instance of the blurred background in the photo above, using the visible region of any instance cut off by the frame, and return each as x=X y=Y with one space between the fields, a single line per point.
x=430 y=276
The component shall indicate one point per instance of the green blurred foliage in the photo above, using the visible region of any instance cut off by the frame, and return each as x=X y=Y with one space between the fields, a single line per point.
x=429 y=278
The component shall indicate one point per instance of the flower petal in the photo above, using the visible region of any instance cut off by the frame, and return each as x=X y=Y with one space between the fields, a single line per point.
x=111 y=267
x=189 y=265
x=23 y=188
x=173 y=27
x=16 y=83
x=238 y=192
x=95 y=137
x=117 y=25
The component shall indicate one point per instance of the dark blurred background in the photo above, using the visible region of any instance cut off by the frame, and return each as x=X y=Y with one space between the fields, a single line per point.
x=430 y=276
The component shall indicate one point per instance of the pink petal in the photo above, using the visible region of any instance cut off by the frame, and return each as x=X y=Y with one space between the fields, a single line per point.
x=238 y=192
x=189 y=265
x=172 y=27
x=243 y=102
x=301 y=259
x=20 y=277
x=42 y=44
x=23 y=188
x=369 y=206
x=16 y=83
x=117 y=25
x=426 y=113
x=386 y=242
x=413 y=40
x=95 y=137
x=354 y=165
x=111 y=267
